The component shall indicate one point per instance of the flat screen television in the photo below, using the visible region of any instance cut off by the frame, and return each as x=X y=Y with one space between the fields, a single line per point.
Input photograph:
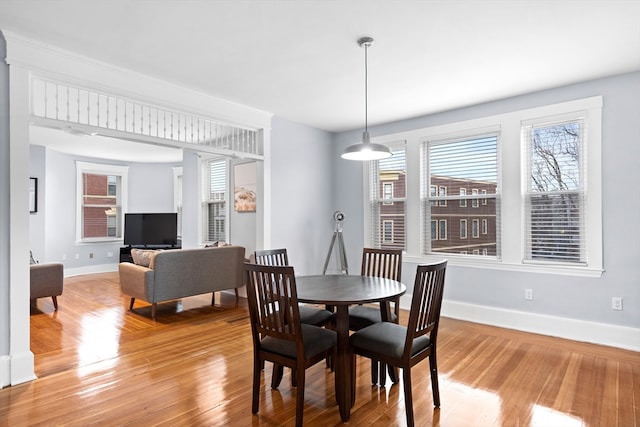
x=151 y=229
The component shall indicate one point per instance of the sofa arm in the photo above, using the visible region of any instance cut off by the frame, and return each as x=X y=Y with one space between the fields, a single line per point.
x=137 y=281
x=46 y=280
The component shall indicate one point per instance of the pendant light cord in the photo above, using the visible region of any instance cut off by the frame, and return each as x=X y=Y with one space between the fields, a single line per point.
x=366 y=91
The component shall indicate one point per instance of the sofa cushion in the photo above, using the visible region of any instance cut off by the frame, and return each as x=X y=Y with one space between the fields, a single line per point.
x=143 y=257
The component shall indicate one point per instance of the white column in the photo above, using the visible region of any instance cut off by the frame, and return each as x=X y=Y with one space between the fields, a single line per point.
x=5 y=361
x=21 y=357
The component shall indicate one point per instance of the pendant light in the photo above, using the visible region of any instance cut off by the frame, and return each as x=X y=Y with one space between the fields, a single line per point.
x=366 y=150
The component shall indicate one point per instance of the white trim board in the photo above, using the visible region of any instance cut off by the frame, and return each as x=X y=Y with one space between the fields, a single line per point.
x=578 y=330
x=5 y=371
x=90 y=269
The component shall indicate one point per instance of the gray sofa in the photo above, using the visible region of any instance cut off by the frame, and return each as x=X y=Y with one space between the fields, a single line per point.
x=181 y=273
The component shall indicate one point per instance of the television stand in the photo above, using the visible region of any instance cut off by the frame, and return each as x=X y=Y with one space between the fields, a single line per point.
x=125 y=251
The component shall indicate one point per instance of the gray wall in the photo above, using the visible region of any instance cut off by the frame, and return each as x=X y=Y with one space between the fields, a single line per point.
x=563 y=296
x=37 y=169
x=302 y=183
x=53 y=228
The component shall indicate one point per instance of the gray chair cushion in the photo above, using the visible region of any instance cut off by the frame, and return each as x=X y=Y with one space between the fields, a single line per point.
x=313 y=316
x=365 y=315
x=315 y=339
x=387 y=339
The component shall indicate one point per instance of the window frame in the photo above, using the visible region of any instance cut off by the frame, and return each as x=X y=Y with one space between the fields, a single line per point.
x=510 y=176
x=375 y=200
x=108 y=170
x=463 y=229
x=441 y=142
x=528 y=193
x=385 y=223
x=387 y=198
x=206 y=201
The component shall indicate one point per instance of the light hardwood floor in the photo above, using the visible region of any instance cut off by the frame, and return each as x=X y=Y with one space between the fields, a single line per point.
x=100 y=365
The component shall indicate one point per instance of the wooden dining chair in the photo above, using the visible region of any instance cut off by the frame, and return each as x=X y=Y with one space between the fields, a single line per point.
x=385 y=263
x=278 y=257
x=277 y=332
x=405 y=346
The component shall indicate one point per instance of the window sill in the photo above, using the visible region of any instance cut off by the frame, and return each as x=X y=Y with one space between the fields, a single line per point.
x=100 y=240
x=497 y=264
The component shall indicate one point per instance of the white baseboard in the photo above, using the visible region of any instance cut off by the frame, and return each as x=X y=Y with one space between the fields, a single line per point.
x=5 y=371
x=16 y=369
x=90 y=269
x=578 y=330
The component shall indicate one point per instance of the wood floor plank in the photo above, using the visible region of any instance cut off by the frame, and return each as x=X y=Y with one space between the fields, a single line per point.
x=99 y=364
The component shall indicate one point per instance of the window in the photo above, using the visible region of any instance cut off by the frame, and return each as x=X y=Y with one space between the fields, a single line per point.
x=101 y=193
x=215 y=203
x=442 y=193
x=387 y=190
x=453 y=165
x=387 y=195
x=387 y=233
x=475 y=228
x=530 y=217
x=442 y=234
x=555 y=192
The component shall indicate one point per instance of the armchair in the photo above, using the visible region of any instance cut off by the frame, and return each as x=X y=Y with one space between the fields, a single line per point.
x=46 y=281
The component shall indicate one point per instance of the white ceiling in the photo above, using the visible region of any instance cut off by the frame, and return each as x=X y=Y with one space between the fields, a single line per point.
x=300 y=60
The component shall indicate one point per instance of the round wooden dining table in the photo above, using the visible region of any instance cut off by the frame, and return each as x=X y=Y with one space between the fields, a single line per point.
x=341 y=291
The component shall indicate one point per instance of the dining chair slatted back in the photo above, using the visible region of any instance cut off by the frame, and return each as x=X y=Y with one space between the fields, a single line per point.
x=386 y=263
x=278 y=335
x=274 y=297
x=278 y=257
x=272 y=257
x=426 y=304
x=405 y=346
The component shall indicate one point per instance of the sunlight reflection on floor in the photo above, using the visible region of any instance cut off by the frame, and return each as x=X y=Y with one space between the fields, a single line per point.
x=542 y=417
x=486 y=408
x=483 y=406
x=99 y=341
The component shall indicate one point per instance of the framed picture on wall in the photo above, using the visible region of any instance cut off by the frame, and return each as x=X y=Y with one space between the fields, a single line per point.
x=33 y=195
x=244 y=176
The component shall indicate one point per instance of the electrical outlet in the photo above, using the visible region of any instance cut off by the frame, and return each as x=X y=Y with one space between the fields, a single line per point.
x=90 y=254
x=616 y=303
x=528 y=294
x=64 y=257
x=109 y=254
x=77 y=256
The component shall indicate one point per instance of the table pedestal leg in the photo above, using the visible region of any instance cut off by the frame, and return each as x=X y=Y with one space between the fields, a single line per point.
x=343 y=364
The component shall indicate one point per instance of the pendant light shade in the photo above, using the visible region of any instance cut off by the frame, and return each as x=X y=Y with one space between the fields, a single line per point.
x=366 y=150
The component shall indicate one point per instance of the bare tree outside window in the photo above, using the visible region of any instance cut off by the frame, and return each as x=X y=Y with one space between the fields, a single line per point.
x=556 y=192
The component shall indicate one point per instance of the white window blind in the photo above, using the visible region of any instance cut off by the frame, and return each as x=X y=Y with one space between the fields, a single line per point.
x=387 y=199
x=452 y=166
x=555 y=192
x=216 y=203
